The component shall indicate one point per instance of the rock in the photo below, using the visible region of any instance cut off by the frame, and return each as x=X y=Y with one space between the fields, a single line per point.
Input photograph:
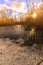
x=41 y=63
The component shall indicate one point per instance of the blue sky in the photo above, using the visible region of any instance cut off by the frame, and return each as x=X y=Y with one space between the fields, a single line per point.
x=9 y=1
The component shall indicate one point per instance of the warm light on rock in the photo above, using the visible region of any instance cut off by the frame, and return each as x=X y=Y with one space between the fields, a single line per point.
x=32 y=31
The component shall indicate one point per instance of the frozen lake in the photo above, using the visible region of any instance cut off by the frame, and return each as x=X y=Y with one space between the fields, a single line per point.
x=11 y=30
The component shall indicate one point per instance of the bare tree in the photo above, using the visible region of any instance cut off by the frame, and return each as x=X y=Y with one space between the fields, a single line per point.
x=3 y=14
x=27 y=3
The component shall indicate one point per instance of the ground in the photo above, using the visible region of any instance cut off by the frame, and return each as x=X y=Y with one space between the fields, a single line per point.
x=12 y=53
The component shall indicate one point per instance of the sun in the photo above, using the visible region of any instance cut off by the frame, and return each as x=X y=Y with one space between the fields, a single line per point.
x=34 y=15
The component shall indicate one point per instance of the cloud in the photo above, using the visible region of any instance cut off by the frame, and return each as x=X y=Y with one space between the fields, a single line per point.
x=15 y=6
x=18 y=6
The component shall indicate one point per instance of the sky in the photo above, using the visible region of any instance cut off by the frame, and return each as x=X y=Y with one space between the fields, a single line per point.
x=8 y=2
x=17 y=5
